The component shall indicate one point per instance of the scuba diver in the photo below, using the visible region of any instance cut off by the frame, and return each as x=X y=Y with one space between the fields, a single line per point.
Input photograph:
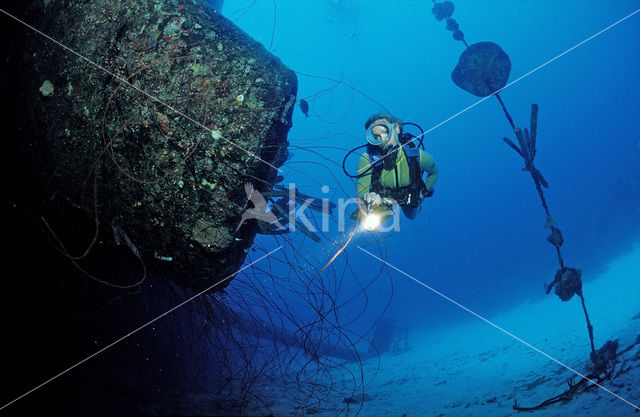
x=390 y=171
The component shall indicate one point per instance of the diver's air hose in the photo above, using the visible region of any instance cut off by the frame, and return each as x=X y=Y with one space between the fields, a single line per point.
x=420 y=144
x=344 y=162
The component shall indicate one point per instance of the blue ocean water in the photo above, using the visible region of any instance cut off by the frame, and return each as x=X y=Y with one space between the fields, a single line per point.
x=479 y=243
x=481 y=239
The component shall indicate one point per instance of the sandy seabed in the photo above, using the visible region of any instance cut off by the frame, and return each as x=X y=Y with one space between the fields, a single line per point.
x=476 y=369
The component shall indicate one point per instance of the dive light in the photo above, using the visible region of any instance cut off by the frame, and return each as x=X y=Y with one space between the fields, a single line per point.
x=374 y=216
x=371 y=219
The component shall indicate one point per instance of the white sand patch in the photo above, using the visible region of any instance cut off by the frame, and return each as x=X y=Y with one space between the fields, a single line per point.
x=476 y=370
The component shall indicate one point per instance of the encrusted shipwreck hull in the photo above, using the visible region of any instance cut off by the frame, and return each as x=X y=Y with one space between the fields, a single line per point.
x=164 y=183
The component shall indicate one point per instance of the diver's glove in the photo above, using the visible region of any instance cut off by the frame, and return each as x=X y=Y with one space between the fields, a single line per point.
x=429 y=192
x=373 y=198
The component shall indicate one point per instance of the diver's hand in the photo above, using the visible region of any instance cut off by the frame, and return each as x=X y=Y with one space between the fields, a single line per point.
x=373 y=198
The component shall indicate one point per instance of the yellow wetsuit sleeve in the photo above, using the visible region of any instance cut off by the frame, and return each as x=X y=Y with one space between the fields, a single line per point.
x=428 y=164
x=364 y=182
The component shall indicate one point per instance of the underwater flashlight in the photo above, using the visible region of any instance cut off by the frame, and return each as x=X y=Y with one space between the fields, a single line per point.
x=371 y=221
x=375 y=216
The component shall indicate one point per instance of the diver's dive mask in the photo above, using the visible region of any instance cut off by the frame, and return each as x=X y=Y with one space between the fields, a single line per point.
x=382 y=134
x=379 y=134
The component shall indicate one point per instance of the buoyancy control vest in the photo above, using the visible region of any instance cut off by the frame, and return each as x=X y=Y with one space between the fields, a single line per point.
x=410 y=195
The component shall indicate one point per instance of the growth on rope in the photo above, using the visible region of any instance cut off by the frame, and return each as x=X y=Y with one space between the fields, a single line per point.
x=483 y=70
